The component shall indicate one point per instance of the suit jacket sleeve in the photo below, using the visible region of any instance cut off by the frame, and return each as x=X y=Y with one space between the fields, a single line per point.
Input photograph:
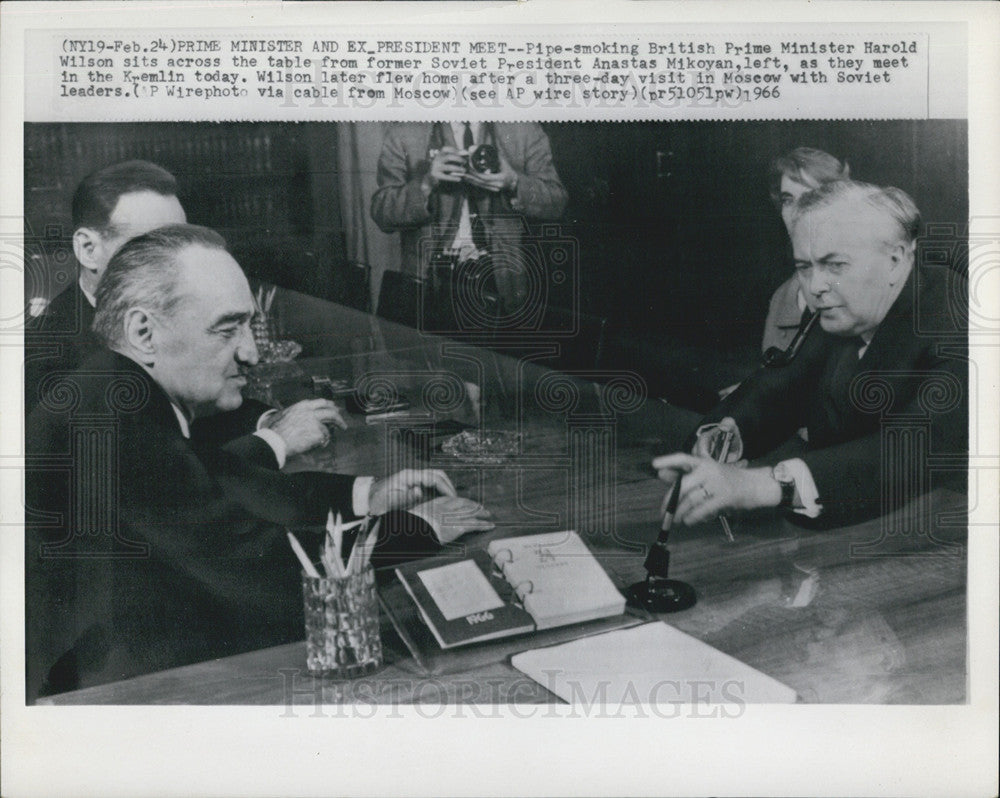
x=233 y=432
x=400 y=201
x=769 y=406
x=540 y=192
x=862 y=478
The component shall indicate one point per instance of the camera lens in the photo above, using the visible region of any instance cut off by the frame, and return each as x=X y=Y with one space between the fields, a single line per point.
x=484 y=158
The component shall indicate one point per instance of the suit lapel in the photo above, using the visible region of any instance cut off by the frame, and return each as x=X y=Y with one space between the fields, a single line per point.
x=883 y=354
x=157 y=407
x=894 y=335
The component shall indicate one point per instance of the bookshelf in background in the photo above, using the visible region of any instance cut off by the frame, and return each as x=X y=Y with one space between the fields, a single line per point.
x=253 y=182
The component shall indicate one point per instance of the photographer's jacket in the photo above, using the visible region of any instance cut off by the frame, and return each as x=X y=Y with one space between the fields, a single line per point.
x=399 y=204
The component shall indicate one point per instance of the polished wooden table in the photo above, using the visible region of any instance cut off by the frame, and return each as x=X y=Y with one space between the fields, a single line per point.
x=863 y=614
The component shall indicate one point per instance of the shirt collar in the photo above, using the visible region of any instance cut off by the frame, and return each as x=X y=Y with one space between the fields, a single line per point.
x=181 y=420
x=90 y=297
x=458 y=131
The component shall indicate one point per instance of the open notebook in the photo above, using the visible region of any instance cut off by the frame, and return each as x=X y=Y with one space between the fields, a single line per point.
x=652 y=663
x=556 y=578
x=518 y=585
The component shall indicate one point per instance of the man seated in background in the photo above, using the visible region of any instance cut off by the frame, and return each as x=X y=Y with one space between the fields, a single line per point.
x=792 y=175
x=111 y=206
x=880 y=355
x=149 y=546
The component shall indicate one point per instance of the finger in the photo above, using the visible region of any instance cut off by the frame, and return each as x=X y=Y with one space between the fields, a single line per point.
x=689 y=506
x=440 y=481
x=491 y=187
x=476 y=526
x=328 y=415
x=728 y=424
x=703 y=445
x=684 y=508
x=706 y=511
x=427 y=478
x=313 y=404
x=678 y=461
x=692 y=490
x=698 y=478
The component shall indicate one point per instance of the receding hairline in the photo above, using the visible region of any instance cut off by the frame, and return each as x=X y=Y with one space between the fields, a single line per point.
x=185 y=268
x=868 y=199
x=99 y=192
x=861 y=217
x=140 y=192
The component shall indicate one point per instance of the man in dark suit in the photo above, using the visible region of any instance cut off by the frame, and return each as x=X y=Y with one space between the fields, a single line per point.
x=150 y=545
x=882 y=387
x=110 y=206
x=443 y=207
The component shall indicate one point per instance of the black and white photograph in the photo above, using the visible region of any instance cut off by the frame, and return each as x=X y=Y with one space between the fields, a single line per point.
x=544 y=352
x=482 y=413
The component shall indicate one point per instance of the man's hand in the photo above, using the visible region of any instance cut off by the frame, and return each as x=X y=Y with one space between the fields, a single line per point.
x=709 y=488
x=303 y=425
x=710 y=433
x=504 y=180
x=447 y=166
x=404 y=489
x=452 y=516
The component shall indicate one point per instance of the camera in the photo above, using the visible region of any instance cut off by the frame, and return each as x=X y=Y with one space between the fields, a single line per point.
x=482 y=159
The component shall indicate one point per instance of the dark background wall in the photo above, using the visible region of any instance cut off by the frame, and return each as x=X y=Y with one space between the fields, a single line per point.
x=680 y=246
x=270 y=189
x=677 y=230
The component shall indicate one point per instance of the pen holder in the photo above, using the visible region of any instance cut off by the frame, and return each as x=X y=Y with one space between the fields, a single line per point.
x=342 y=625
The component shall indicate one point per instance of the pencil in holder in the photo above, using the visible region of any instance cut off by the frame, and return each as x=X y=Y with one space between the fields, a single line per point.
x=343 y=640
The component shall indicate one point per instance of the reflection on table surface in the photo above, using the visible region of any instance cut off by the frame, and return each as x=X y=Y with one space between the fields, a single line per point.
x=863 y=614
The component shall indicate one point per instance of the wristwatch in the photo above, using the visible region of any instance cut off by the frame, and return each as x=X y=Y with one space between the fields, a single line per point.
x=784 y=479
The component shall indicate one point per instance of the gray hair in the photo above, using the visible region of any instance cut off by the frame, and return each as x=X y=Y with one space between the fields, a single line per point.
x=893 y=203
x=144 y=273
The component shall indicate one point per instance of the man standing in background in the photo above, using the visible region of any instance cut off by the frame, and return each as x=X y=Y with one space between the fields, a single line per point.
x=450 y=208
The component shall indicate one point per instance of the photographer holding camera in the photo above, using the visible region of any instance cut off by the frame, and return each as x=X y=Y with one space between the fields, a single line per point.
x=458 y=193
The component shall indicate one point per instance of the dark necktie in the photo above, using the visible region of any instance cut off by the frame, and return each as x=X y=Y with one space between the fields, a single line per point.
x=844 y=372
x=478 y=228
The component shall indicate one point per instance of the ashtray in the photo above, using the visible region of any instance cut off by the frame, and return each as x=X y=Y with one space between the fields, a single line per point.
x=483 y=446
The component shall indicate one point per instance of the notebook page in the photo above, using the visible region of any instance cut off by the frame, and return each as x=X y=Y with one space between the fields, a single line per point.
x=557 y=577
x=460 y=589
x=652 y=663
